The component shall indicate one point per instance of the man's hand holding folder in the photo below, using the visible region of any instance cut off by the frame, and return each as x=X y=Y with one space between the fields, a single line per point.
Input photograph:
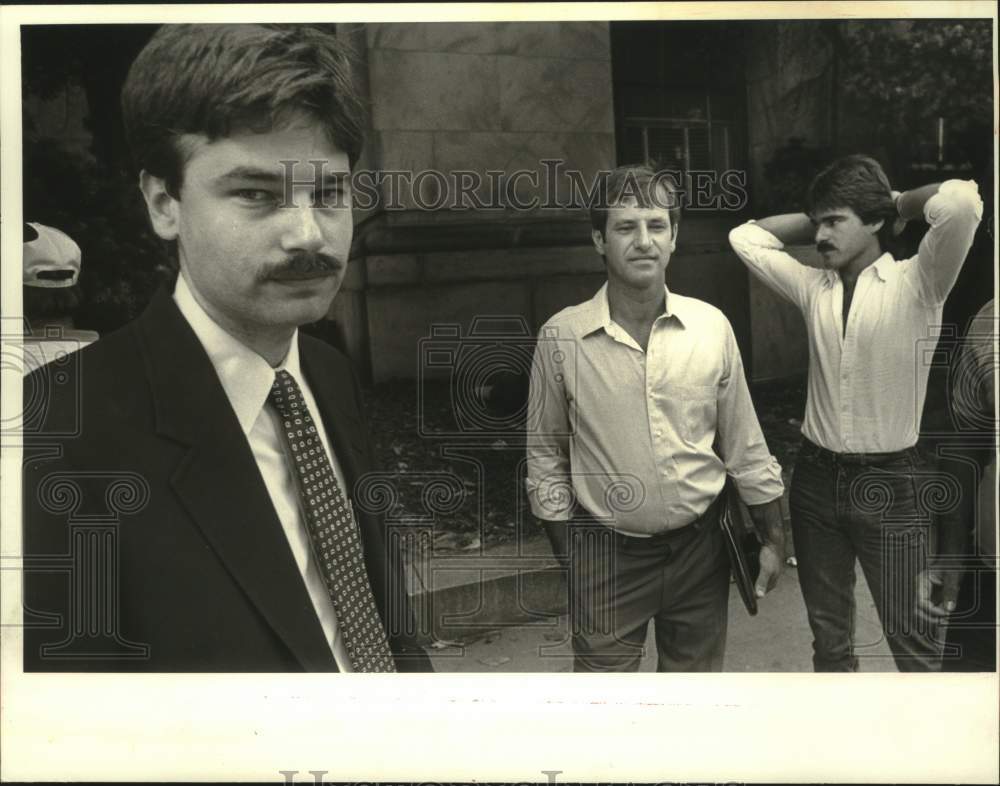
x=757 y=551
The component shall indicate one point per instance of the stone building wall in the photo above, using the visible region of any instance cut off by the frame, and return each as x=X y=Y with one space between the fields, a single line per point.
x=505 y=96
x=790 y=93
x=478 y=97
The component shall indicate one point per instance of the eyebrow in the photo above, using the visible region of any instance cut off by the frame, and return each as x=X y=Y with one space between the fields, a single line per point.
x=250 y=173
x=626 y=221
x=326 y=179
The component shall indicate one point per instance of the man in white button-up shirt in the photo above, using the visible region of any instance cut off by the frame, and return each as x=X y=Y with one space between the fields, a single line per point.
x=872 y=321
x=639 y=409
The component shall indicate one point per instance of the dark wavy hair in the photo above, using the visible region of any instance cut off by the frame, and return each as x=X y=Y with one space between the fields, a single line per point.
x=857 y=182
x=641 y=181
x=215 y=79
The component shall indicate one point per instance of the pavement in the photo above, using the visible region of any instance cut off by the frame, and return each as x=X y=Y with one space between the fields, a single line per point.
x=504 y=612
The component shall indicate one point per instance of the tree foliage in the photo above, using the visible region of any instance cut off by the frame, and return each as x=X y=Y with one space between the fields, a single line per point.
x=903 y=75
x=123 y=261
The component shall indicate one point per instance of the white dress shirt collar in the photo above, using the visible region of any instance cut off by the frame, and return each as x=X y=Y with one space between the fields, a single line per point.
x=598 y=310
x=245 y=376
x=884 y=267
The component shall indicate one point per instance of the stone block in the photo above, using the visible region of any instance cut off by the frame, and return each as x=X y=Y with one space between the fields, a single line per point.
x=392 y=269
x=405 y=150
x=511 y=264
x=513 y=152
x=393 y=35
x=475 y=152
x=399 y=318
x=588 y=40
x=576 y=40
x=468 y=37
x=420 y=91
x=465 y=37
x=552 y=295
x=589 y=153
x=554 y=94
x=410 y=152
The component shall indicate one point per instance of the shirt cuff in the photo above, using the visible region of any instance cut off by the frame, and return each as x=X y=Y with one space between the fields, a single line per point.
x=761 y=485
x=552 y=498
x=954 y=191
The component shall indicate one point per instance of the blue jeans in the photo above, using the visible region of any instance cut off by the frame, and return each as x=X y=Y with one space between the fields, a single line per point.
x=863 y=507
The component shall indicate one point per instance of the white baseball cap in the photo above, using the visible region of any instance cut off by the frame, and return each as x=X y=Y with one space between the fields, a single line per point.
x=51 y=259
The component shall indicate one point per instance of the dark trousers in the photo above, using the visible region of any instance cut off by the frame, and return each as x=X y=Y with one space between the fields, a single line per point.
x=971 y=643
x=679 y=579
x=863 y=507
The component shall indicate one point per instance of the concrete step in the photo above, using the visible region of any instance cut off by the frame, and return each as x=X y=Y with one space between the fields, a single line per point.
x=776 y=640
x=503 y=609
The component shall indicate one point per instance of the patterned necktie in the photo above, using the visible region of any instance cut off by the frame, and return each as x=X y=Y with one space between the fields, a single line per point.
x=333 y=532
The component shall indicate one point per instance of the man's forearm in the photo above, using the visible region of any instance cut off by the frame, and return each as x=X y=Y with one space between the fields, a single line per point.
x=910 y=204
x=768 y=520
x=792 y=229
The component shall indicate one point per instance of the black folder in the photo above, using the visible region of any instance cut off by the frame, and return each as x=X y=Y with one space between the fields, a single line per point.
x=743 y=544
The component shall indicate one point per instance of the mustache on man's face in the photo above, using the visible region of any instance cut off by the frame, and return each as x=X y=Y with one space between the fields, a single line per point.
x=825 y=246
x=304 y=264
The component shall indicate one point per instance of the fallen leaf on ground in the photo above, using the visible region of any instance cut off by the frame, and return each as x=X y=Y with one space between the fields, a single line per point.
x=495 y=660
x=442 y=644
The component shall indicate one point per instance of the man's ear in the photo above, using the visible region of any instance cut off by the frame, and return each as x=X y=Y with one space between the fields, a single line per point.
x=163 y=208
x=875 y=226
x=598 y=239
x=673 y=239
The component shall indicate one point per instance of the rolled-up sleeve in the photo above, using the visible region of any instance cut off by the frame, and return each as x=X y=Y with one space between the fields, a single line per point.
x=765 y=257
x=952 y=214
x=749 y=463
x=548 y=481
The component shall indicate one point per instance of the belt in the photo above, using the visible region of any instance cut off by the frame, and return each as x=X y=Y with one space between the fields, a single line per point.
x=812 y=450
x=711 y=515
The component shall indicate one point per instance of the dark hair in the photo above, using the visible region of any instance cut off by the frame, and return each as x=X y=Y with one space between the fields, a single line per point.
x=51 y=302
x=640 y=181
x=214 y=79
x=857 y=182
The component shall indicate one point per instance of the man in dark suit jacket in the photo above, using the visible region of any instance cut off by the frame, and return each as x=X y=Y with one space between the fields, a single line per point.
x=178 y=515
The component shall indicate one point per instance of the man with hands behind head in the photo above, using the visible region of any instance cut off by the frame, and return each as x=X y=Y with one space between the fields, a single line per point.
x=854 y=489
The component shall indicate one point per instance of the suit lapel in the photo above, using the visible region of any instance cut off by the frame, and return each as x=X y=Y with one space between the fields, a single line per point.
x=219 y=484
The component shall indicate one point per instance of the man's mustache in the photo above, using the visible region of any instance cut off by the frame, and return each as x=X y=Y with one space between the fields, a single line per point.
x=305 y=264
x=825 y=247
